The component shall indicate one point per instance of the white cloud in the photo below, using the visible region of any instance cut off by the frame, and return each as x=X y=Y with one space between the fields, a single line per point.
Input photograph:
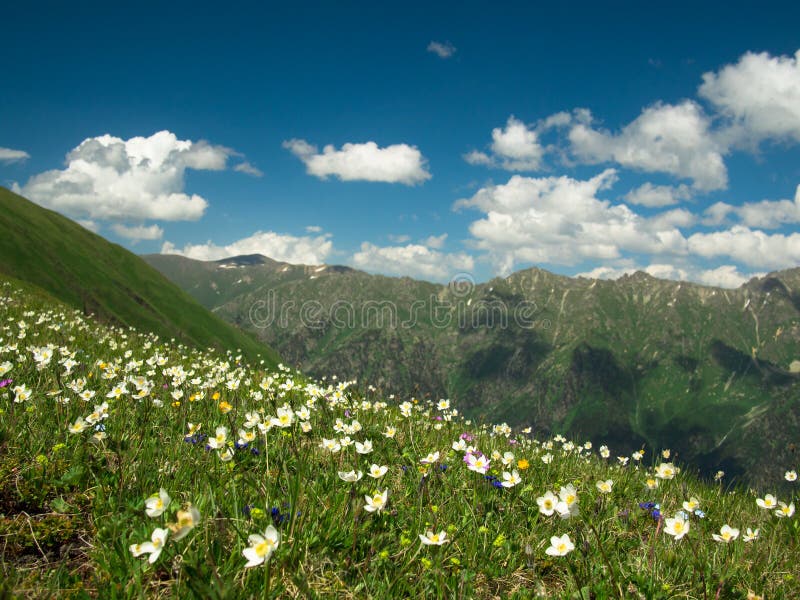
x=442 y=50
x=313 y=229
x=107 y=177
x=726 y=276
x=515 y=148
x=398 y=163
x=665 y=138
x=9 y=155
x=766 y=214
x=136 y=233
x=560 y=220
x=748 y=246
x=413 y=260
x=658 y=195
x=435 y=241
x=760 y=95
x=307 y=250
x=399 y=239
x=248 y=169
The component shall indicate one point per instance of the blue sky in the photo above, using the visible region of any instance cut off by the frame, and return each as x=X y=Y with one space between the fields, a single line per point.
x=418 y=140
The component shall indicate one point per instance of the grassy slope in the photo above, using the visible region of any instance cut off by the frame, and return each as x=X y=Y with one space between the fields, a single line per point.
x=88 y=272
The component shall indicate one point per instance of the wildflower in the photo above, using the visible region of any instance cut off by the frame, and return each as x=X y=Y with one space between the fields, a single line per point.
x=430 y=459
x=666 y=471
x=225 y=407
x=285 y=417
x=666 y=453
x=377 y=501
x=523 y=464
x=768 y=502
x=719 y=475
x=547 y=503
x=547 y=458
x=750 y=535
x=785 y=511
x=691 y=505
x=623 y=460
x=331 y=445
x=605 y=486
x=220 y=438
x=433 y=539
x=78 y=426
x=651 y=483
x=726 y=534
x=21 y=393
x=560 y=546
x=153 y=547
x=790 y=475
x=479 y=464
x=350 y=476
x=568 y=502
x=156 y=504
x=187 y=520
x=364 y=448
x=604 y=451
x=261 y=546
x=508 y=458
x=376 y=471
x=389 y=432
x=510 y=479
x=677 y=527
x=638 y=455
x=443 y=404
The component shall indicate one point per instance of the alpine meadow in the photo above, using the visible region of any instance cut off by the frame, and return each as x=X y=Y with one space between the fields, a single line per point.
x=428 y=300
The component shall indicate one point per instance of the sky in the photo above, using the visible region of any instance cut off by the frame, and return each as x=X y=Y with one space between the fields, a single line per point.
x=431 y=140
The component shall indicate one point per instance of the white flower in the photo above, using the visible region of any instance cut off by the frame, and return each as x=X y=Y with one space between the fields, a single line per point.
x=376 y=502
x=261 y=546
x=376 y=471
x=510 y=479
x=547 y=503
x=364 y=448
x=605 y=486
x=156 y=504
x=768 y=502
x=430 y=459
x=350 y=476
x=726 y=534
x=791 y=475
x=666 y=471
x=560 y=546
x=785 y=510
x=219 y=439
x=750 y=535
x=677 y=527
x=433 y=539
x=153 y=547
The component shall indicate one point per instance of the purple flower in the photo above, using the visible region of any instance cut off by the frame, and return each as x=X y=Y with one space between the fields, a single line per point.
x=466 y=437
x=6 y=382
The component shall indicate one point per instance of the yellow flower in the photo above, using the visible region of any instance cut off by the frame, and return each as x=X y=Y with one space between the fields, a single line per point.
x=225 y=407
x=523 y=464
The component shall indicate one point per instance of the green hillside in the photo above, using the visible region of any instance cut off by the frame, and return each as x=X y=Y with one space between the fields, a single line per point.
x=637 y=361
x=84 y=270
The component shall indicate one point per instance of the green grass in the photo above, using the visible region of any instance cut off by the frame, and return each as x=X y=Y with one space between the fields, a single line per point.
x=73 y=504
x=84 y=270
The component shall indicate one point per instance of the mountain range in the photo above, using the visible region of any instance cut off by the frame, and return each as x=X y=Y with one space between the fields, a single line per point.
x=711 y=373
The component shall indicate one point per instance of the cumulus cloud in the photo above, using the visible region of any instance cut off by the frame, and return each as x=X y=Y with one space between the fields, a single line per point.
x=560 y=220
x=665 y=138
x=92 y=226
x=435 y=241
x=306 y=250
x=136 y=233
x=398 y=163
x=8 y=155
x=514 y=148
x=766 y=214
x=725 y=276
x=414 y=260
x=442 y=49
x=248 y=169
x=759 y=95
x=107 y=177
x=748 y=246
x=656 y=196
